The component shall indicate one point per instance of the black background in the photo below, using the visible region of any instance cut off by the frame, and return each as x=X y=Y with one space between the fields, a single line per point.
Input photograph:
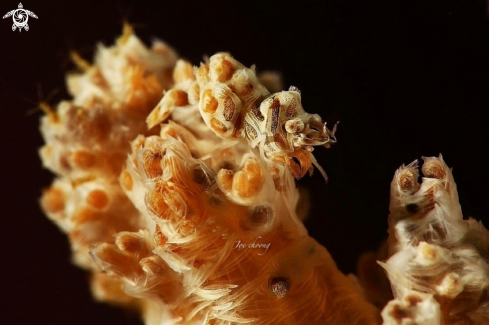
x=405 y=78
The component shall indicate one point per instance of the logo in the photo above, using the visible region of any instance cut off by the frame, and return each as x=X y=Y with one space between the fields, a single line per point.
x=20 y=17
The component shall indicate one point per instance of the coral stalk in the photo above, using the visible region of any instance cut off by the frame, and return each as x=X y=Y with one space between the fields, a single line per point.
x=192 y=219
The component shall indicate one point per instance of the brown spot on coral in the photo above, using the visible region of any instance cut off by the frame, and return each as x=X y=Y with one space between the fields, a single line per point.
x=412 y=208
x=217 y=126
x=259 y=216
x=97 y=199
x=229 y=108
x=279 y=286
x=53 y=200
x=200 y=177
x=215 y=200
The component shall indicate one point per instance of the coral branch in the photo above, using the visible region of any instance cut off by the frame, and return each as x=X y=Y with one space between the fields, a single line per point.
x=438 y=266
